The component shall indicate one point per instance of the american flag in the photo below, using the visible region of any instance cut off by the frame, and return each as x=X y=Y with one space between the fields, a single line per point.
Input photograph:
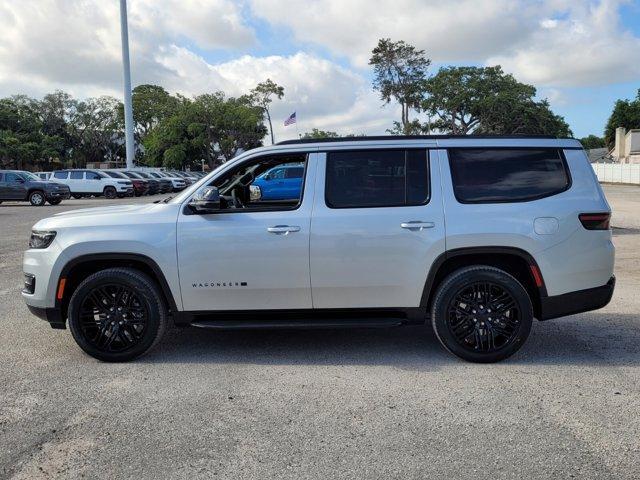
x=290 y=119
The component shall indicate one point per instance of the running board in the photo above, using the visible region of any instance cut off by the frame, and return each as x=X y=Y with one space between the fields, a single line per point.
x=313 y=323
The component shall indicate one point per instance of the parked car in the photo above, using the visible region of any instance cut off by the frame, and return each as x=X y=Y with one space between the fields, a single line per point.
x=152 y=184
x=189 y=180
x=85 y=183
x=17 y=185
x=475 y=236
x=177 y=183
x=165 y=184
x=140 y=186
x=279 y=183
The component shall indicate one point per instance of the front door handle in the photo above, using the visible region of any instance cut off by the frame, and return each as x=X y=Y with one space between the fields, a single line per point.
x=416 y=225
x=283 y=229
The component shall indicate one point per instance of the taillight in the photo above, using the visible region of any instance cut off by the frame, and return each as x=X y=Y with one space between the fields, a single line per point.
x=595 y=221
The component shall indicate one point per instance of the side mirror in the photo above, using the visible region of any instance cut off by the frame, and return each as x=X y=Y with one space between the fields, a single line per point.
x=206 y=200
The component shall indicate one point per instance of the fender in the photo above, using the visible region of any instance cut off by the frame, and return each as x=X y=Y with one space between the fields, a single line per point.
x=489 y=250
x=134 y=257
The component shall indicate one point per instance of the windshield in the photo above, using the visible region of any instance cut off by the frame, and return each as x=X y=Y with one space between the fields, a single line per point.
x=115 y=174
x=28 y=176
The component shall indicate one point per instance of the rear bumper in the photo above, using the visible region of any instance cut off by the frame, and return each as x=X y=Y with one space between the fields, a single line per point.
x=576 y=302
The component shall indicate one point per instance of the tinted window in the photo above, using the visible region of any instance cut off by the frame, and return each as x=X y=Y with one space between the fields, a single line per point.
x=61 y=175
x=13 y=178
x=295 y=172
x=506 y=175
x=377 y=178
x=76 y=175
x=114 y=174
x=93 y=176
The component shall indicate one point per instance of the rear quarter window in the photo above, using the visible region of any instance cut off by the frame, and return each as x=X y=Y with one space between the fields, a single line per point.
x=507 y=175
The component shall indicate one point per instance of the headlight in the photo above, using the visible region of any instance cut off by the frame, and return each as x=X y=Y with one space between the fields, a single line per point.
x=41 y=239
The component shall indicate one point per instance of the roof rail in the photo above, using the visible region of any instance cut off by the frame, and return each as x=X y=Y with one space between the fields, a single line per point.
x=404 y=137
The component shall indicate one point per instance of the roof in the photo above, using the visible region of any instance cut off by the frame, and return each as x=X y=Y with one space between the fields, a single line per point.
x=408 y=137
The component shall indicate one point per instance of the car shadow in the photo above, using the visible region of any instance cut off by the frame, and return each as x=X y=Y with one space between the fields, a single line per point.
x=596 y=339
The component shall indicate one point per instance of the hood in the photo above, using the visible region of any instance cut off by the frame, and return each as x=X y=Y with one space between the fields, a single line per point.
x=134 y=215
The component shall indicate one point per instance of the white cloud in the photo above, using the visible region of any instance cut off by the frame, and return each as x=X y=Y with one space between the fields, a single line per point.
x=546 y=42
x=588 y=47
x=75 y=44
x=323 y=94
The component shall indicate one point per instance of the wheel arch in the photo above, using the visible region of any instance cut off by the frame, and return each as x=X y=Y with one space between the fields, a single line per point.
x=79 y=268
x=515 y=261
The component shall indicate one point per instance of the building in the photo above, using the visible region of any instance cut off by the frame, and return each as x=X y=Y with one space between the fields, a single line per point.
x=627 y=146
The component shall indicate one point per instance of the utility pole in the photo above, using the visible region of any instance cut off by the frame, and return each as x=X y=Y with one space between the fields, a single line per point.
x=128 y=107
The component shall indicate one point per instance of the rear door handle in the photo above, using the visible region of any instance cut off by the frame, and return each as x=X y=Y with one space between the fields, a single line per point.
x=416 y=225
x=283 y=229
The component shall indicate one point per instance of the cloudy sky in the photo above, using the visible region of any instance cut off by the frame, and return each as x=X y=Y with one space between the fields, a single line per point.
x=581 y=54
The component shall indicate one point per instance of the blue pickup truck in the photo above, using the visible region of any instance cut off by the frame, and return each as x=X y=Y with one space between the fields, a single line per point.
x=283 y=182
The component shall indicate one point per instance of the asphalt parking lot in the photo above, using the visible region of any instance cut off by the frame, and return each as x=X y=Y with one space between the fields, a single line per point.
x=323 y=404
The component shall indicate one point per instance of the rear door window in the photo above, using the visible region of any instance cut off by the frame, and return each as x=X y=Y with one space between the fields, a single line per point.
x=61 y=175
x=482 y=175
x=76 y=175
x=377 y=178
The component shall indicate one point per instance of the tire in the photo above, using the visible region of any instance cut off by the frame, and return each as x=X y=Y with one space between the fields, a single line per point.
x=467 y=327
x=54 y=201
x=37 y=198
x=76 y=196
x=113 y=335
x=110 y=193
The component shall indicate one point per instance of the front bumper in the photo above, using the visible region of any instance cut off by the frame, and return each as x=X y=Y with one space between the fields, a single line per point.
x=58 y=194
x=576 y=302
x=51 y=315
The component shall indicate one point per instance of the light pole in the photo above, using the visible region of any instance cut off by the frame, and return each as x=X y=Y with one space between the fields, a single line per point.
x=128 y=108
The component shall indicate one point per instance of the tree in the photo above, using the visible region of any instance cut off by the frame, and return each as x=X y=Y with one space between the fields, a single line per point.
x=318 y=134
x=261 y=96
x=210 y=127
x=626 y=113
x=485 y=100
x=400 y=73
x=592 y=141
x=96 y=130
x=151 y=104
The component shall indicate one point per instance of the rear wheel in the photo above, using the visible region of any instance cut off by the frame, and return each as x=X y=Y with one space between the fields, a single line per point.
x=110 y=192
x=482 y=314
x=37 y=198
x=55 y=201
x=117 y=314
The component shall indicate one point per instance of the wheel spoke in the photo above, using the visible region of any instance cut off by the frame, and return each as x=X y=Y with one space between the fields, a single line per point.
x=483 y=317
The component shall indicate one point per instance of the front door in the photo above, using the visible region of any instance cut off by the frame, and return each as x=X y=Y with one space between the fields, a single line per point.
x=14 y=187
x=252 y=254
x=377 y=227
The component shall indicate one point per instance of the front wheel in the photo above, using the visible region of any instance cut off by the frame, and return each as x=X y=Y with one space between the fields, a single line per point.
x=110 y=193
x=55 y=201
x=76 y=196
x=37 y=198
x=481 y=314
x=117 y=314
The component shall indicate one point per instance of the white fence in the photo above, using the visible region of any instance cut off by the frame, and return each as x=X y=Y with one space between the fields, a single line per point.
x=617 y=172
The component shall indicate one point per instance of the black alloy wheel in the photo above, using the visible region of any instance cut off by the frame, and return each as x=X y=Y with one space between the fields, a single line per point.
x=54 y=201
x=482 y=314
x=117 y=314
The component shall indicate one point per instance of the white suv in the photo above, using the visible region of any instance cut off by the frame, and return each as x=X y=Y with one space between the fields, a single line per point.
x=84 y=183
x=475 y=236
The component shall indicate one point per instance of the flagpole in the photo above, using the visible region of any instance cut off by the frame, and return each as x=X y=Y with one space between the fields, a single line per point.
x=128 y=108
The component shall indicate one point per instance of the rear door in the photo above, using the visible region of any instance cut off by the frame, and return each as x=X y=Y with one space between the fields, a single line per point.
x=377 y=227
x=76 y=181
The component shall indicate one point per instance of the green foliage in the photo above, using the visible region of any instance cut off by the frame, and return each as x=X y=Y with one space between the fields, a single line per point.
x=400 y=73
x=485 y=100
x=210 y=127
x=592 y=141
x=261 y=97
x=318 y=134
x=626 y=113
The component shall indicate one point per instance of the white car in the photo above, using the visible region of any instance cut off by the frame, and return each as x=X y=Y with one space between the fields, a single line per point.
x=84 y=183
x=473 y=236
